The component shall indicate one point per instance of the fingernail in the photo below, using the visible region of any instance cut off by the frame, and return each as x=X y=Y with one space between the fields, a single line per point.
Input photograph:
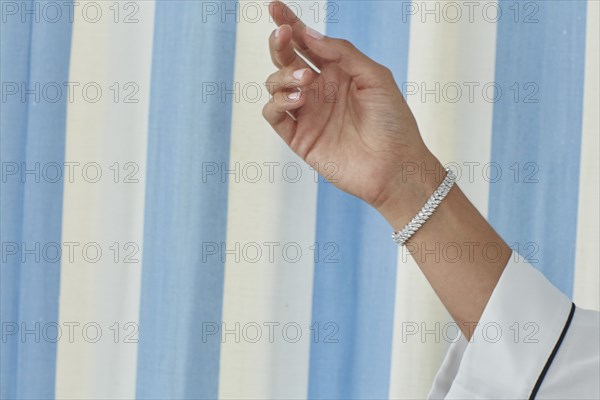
x=294 y=96
x=297 y=74
x=277 y=31
x=313 y=34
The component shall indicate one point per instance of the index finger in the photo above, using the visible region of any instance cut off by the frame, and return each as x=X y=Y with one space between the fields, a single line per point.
x=283 y=15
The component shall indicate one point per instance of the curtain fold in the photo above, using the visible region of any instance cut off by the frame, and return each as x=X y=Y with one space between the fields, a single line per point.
x=182 y=293
x=34 y=64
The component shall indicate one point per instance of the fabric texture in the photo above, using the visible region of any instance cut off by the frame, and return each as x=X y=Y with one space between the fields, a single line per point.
x=514 y=339
x=159 y=240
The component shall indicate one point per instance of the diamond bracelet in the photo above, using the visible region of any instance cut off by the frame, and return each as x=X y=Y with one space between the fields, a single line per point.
x=434 y=201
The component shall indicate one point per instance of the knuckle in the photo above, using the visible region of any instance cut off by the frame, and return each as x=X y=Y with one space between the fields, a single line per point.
x=386 y=71
x=274 y=60
x=265 y=111
x=271 y=83
x=346 y=44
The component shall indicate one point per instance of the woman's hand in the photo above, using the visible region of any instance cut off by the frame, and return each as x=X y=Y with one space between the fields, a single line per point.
x=367 y=130
x=351 y=121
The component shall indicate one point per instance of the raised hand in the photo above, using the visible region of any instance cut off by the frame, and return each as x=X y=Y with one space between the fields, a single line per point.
x=351 y=116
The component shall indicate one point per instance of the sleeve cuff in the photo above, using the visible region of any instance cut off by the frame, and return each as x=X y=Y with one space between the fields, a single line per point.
x=510 y=346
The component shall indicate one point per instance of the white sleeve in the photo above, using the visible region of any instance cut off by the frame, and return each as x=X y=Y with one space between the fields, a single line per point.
x=531 y=342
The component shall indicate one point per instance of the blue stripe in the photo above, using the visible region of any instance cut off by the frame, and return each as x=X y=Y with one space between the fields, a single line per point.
x=180 y=292
x=34 y=54
x=539 y=218
x=357 y=294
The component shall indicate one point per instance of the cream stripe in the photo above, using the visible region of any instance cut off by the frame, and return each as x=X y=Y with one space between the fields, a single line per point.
x=587 y=276
x=446 y=58
x=266 y=290
x=115 y=56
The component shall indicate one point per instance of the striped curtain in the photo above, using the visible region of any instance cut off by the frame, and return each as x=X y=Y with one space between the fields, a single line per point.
x=160 y=241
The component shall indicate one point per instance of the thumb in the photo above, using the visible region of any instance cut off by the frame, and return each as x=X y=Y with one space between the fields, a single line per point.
x=365 y=72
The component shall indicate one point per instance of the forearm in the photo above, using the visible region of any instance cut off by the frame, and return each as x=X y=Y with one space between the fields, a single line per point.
x=458 y=251
x=369 y=132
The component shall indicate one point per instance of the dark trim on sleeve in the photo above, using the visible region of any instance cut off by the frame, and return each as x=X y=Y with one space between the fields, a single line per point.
x=553 y=354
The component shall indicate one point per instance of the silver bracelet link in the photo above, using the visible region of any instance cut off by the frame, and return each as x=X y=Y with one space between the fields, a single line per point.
x=434 y=201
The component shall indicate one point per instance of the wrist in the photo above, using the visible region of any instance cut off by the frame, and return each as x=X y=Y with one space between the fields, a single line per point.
x=406 y=194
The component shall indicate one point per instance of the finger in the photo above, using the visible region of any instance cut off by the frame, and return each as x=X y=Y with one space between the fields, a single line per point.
x=281 y=47
x=290 y=78
x=365 y=72
x=283 y=15
x=277 y=113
